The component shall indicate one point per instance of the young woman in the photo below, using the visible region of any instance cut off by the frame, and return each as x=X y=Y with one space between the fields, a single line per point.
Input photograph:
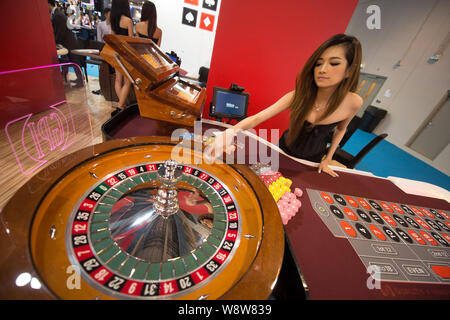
x=121 y=24
x=322 y=104
x=148 y=27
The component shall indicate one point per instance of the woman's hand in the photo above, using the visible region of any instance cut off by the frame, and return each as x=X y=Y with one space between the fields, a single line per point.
x=223 y=142
x=323 y=166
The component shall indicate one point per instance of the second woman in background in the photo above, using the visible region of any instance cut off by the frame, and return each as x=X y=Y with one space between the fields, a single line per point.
x=121 y=24
x=148 y=27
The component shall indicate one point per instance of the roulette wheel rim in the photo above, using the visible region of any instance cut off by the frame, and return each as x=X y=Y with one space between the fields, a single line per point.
x=255 y=283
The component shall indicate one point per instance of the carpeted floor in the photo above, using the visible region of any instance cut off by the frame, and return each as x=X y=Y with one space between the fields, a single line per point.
x=385 y=159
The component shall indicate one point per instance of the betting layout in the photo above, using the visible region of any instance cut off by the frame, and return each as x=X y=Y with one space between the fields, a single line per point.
x=407 y=243
x=113 y=270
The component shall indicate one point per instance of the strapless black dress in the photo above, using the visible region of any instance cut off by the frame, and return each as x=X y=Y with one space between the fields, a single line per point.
x=311 y=143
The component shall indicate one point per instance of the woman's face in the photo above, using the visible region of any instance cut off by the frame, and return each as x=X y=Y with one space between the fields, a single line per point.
x=331 y=67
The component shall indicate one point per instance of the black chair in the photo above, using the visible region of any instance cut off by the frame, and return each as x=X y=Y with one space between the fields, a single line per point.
x=351 y=161
x=173 y=55
x=90 y=44
x=203 y=76
x=95 y=45
x=351 y=128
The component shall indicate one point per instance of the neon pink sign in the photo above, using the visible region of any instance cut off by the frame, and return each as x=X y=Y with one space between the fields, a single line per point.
x=35 y=139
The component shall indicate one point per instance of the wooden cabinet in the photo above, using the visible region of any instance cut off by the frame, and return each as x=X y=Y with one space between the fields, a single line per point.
x=160 y=93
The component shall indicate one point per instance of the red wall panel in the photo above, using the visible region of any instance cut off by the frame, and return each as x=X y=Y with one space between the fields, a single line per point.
x=27 y=35
x=27 y=42
x=262 y=45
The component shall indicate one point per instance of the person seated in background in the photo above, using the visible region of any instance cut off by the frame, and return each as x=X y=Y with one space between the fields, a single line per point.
x=96 y=19
x=104 y=27
x=148 y=27
x=65 y=37
x=72 y=21
x=86 y=21
x=75 y=10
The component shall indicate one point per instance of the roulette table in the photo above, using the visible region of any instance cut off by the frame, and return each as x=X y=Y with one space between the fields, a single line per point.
x=405 y=243
x=331 y=253
x=135 y=224
x=335 y=262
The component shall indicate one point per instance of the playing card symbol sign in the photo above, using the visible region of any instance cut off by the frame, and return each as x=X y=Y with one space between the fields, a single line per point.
x=207 y=22
x=193 y=2
x=210 y=4
x=189 y=17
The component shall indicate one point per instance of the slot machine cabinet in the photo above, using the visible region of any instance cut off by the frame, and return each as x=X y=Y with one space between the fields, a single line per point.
x=160 y=93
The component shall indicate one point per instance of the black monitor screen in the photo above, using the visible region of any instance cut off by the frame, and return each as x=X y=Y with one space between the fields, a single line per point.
x=229 y=104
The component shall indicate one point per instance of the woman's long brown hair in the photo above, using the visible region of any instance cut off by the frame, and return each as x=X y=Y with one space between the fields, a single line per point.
x=306 y=88
x=149 y=14
x=118 y=8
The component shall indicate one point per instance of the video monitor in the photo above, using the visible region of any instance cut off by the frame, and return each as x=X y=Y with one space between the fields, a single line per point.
x=229 y=104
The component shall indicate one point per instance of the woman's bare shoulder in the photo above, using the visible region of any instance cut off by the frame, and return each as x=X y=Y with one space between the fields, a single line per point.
x=140 y=27
x=353 y=100
x=125 y=20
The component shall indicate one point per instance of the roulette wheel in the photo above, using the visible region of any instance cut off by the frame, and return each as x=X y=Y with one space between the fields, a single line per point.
x=126 y=220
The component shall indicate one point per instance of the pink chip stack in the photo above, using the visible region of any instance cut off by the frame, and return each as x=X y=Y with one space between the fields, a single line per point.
x=289 y=205
x=279 y=188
